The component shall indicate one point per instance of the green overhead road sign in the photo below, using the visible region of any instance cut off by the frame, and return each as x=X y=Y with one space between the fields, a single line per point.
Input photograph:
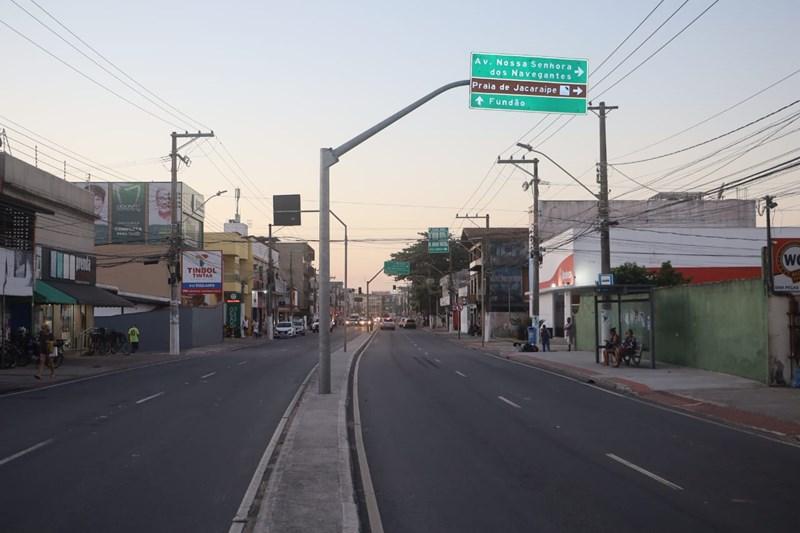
x=438 y=240
x=528 y=83
x=396 y=268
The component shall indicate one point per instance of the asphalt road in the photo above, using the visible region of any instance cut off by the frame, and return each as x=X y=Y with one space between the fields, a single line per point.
x=458 y=441
x=165 y=448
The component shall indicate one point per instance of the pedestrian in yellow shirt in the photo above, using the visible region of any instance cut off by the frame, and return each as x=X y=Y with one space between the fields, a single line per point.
x=133 y=338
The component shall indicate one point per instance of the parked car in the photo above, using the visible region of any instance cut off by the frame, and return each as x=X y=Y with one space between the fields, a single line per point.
x=315 y=326
x=284 y=330
x=388 y=323
x=410 y=323
x=299 y=326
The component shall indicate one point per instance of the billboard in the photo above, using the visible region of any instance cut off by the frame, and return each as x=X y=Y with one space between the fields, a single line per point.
x=202 y=272
x=159 y=211
x=101 y=200
x=786 y=265
x=127 y=212
x=16 y=271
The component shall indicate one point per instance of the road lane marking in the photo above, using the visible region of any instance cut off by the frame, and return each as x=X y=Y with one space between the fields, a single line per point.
x=509 y=402
x=461 y=374
x=647 y=473
x=207 y=375
x=25 y=451
x=240 y=363
x=437 y=359
x=148 y=398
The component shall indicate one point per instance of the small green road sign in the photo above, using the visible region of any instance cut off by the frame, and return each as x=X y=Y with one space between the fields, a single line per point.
x=528 y=83
x=438 y=240
x=396 y=268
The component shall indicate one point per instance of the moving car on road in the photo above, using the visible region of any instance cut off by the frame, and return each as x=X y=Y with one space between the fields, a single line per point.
x=284 y=330
x=299 y=326
x=410 y=323
x=387 y=323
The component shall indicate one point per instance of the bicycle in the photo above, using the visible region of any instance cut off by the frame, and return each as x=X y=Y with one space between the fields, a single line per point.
x=9 y=354
x=119 y=342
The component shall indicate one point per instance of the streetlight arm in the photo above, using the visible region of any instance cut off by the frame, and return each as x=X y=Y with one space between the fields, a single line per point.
x=218 y=193
x=529 y=148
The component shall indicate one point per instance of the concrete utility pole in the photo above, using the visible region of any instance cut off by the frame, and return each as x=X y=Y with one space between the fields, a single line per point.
x=175 y=241
x=602 y=208
x=327 y=158
x=769 y=205
x=270 y=290
x=534 y=254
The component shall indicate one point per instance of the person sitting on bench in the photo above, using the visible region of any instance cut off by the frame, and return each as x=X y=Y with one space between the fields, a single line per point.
x=612 y=346
x=628 y=348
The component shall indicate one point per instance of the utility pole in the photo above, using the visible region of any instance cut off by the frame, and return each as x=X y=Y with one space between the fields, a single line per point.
x=485 y=335
x=270 y=290
x=605 y=248
x=369 y=316
x=769 y=205
x=175 y=240
x=534 y=253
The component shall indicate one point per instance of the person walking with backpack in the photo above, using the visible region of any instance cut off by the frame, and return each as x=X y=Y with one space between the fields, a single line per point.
x=133 y=338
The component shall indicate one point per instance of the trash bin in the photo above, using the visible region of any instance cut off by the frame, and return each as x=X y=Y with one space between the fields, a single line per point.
x=533 y=335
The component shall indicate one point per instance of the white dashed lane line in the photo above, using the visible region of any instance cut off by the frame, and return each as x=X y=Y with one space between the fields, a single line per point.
x=240 y=363
x=461 y=374
x=148 y=398
x=26 y=451
x=642 y=471
x=207 y=375
x=509 y=402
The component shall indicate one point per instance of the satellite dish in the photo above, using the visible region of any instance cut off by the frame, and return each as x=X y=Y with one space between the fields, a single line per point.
x=525 y=185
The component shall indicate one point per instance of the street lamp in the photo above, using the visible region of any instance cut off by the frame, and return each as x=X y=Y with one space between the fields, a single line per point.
x=218 y=193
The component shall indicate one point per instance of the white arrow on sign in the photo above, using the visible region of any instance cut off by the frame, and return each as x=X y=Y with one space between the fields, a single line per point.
x=579 y=72
x=479 y=100
x=577 y=90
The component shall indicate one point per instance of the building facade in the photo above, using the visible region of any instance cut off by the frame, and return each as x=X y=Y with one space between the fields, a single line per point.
x=297 y=270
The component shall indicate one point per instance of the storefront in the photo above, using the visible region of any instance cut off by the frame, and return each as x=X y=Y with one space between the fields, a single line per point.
x=65 y=295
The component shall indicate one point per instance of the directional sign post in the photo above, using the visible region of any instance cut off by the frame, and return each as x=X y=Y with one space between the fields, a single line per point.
x=528 y=83
x=396 y=268
x=438 y=240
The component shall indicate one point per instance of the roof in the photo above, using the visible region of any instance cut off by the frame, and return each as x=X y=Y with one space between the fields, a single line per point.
x=86 y=294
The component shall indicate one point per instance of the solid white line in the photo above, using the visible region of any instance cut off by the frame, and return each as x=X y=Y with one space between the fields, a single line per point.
x=461 y=374
x=147 y=399
x=207 y=375
x=647 y=473
x=509 y=402
x=240 y=363
x=25 y=452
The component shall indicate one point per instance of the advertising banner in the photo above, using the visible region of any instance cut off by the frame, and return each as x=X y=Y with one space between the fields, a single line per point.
x=202 y=272
x=786 y=265
x=159 y=211
x=127 y=212
x=16 y=272
x=101 y=200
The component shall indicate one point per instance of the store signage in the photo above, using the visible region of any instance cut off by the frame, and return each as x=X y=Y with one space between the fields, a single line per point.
x=202 y=272
x=786 y=265
x=58 y=265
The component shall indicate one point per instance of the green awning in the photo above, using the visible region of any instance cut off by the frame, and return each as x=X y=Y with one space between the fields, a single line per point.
x=44 y=293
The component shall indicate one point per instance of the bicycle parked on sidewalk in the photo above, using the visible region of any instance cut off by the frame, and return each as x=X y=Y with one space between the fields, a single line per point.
x=104 y=341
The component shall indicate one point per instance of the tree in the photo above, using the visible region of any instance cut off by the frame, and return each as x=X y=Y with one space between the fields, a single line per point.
x=425 y=266
x=667 y=276
x=631 y=274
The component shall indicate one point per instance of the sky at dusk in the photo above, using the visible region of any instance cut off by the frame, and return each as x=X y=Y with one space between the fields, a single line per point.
x=277 y=81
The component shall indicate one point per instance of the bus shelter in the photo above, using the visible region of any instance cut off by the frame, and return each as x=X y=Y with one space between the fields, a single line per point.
x=626 y=307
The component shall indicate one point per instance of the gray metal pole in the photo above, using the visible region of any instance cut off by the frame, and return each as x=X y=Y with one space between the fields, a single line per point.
x=174 y=260
x=270 y=290
x=536 y=252
x=347 y=300
x=327 y=158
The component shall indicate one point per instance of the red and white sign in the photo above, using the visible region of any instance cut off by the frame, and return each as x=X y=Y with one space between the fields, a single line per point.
x=786 y=265
x=202 y=272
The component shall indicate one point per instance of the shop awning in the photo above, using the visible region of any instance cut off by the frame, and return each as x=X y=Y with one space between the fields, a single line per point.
x=89 y=294
x=46 y=294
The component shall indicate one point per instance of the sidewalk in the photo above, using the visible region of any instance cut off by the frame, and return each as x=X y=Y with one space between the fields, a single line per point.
x=723 y=397
x=311 y=486
x=77 y=366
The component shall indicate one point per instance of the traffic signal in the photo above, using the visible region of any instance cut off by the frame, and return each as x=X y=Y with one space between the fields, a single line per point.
x=359 y=290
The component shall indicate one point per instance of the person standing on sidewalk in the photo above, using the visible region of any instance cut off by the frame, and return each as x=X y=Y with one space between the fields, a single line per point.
x=133 y=338
x=46 y=347
x=544 y=333
x=569 y=333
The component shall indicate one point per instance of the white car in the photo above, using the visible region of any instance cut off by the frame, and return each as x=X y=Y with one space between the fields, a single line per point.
x=299 y=326
x=284 y=330
x=388 y=323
